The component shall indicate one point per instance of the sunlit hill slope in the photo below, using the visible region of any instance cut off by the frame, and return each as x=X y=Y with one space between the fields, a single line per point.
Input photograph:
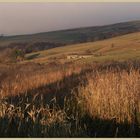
x=117 y=48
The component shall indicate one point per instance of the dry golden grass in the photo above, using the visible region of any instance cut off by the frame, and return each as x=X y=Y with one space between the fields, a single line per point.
x=21 y=82
x=112 y=95
x=82 y=94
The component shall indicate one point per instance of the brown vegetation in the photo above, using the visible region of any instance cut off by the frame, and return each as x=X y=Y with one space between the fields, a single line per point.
x=96 y=100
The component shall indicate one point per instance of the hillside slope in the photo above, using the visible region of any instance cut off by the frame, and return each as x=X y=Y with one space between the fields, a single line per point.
x=53 y=39
x=117 y=48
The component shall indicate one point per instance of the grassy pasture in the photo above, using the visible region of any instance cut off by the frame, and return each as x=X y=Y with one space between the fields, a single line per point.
x=118 y=48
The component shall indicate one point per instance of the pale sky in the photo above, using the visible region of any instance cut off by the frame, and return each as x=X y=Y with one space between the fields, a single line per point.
x=28 y=18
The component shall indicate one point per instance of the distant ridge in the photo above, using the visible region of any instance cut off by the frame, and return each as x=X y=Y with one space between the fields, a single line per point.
x=53 y=39
x=78 y=28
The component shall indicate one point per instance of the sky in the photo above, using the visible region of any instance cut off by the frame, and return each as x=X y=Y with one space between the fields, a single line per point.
x=28 y=18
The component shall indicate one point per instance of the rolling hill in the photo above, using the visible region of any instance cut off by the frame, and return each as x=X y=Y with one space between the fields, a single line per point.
x=118 y=48
x=46 y=40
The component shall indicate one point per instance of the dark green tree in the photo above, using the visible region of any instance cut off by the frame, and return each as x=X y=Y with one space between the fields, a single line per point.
x=18 y=54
